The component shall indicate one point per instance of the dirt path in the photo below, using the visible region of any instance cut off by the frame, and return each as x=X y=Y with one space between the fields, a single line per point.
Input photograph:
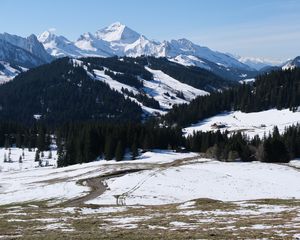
x=97 y=186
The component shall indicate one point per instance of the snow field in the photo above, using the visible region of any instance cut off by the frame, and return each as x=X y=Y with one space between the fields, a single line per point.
x=213 y=179
x=30 y=182
x=255 y=123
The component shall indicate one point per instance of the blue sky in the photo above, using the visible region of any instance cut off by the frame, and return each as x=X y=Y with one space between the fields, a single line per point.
x=262 y=28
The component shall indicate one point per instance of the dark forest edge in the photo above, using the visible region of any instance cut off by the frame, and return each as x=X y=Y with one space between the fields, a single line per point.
x=277 y=89
x=87 y=141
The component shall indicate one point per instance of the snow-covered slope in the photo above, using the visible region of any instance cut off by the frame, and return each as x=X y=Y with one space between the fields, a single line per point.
x=291 y=64
x=117 y=32
x=30 y=44
x=186 y=47
x=166 y=90
x=118 y=39
x=185 y=180
x=203 y=178
x=58 y=46
x=255 y=123
x=163 y=83
x=27 y=181
x=8 y=72
x=18 y=56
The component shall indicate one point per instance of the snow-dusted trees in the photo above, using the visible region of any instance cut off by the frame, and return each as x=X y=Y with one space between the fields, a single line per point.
x=37 y=156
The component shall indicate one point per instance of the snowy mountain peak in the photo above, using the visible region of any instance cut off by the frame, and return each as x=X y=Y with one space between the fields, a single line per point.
x=46 y=36
x=117 y=32
x=57 y=46
x=49 y=36
x=86 y=36
x=291 y=64
x=30 y=44
x=118 y=39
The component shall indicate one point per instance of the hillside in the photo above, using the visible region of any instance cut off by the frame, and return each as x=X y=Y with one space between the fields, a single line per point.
x=60 y=92
x=118 y=39
x=277 y=89
x=8 y=71
x=103 y=88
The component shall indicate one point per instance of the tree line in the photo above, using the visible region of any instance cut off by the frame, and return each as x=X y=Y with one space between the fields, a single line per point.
x=229 y=147
x=85 y=142
x=21 y=136
x=278 y=89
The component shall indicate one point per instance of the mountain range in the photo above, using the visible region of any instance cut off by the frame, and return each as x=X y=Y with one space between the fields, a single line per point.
x=104 y=88
x=120 y=40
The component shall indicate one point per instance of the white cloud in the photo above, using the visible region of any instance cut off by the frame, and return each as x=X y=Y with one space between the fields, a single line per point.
x=52 y=30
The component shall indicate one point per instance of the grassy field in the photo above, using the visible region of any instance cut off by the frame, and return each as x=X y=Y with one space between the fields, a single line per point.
x=198 y=219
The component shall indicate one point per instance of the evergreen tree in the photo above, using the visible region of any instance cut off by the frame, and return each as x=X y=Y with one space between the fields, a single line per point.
x=134 y=151
x=61 y=161
x=275 y=151
x=109 y=148
x=18 y=140
x=233 y=155
x=41 y=139
x=37 y=156
x=7 y=141
x=50 y=154
x=120 y=151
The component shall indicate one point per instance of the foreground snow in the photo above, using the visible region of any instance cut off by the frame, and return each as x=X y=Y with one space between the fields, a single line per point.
x=27 y=163
x=169 y=178
x=255 y=123
x=28 y=182
x=204 y=179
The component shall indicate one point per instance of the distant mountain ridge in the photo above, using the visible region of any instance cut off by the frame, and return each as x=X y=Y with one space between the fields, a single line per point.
x=291 y=64
x=120 y=40
x=257 y=63
x=30 y=44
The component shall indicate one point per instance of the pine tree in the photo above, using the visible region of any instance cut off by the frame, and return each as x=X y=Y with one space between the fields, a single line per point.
x=18 y=140
x=41 y=139
x=37 y=156
x=61 y=161
x=233 y=155
x=120 y=151
x=50 y=154
x=109 y=148
x=134 y=151
x=7 y=142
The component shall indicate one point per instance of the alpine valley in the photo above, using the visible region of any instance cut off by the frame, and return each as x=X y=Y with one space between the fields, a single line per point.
x=153 y=75
x=117 y=136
